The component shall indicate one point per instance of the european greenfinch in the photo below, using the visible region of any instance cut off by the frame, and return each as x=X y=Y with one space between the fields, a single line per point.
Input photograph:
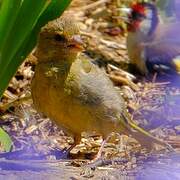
x=74 y=92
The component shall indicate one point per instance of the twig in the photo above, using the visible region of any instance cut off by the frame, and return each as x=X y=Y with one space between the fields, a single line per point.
x=93 y=5
x=15 y=102
x=122 y=72
x=123 y=80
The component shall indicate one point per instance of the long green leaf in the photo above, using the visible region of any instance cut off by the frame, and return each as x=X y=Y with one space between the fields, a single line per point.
x=5 y=140
x=55 y=8
x=28 y=14
x=25 y=21
x=8 y=13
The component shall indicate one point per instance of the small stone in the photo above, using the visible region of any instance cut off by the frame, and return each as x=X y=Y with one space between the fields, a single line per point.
x=177 y=128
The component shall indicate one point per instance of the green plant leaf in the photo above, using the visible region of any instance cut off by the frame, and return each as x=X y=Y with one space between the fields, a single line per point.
x=22 y=26
x=5 y=141
x=22 y=33
x=8 y=13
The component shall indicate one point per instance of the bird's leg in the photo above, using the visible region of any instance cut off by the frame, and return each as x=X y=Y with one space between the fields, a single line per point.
x=122 y=145
x=66 y=151
x=77 y=139
x=98 y=160
x=154 y=78
x=99 y=154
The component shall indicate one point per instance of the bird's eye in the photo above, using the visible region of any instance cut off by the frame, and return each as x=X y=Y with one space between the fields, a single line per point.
x=59 y=37
x=137 y=16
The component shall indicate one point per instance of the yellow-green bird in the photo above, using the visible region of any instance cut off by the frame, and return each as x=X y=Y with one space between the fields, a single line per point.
x=71 y=90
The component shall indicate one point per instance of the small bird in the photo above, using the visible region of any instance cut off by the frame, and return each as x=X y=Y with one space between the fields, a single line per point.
x=152 y=46
x=74 y=92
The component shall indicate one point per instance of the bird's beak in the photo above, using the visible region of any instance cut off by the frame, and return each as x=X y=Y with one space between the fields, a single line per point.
x=125 y=10
x=76 y=42
x=125 y=13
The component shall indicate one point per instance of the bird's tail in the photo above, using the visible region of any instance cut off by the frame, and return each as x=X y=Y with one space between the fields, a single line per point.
x=145 y=138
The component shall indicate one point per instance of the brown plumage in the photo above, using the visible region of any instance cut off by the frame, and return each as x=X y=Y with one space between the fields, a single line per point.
x=74 y=92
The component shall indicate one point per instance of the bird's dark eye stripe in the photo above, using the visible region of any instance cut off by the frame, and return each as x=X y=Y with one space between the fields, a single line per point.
x=136 y=15
x=59 y=37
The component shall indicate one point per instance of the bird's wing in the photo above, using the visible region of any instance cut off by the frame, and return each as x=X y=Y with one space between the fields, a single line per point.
x=163 y=55
x=94 y=90
x=163 y=51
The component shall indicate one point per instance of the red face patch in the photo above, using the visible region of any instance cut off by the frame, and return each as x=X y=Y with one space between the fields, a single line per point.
x=139 y=8
x=136 y=16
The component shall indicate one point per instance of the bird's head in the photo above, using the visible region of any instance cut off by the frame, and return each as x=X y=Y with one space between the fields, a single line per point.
x=59 y=39
x=142 y=17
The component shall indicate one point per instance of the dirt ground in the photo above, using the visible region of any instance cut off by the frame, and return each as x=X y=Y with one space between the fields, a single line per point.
x=165 y=169
x=154 y=105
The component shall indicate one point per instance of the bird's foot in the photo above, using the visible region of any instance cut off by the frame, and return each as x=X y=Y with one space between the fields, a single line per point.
x=170 y=148
x=61 y=154
x=89 y=168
